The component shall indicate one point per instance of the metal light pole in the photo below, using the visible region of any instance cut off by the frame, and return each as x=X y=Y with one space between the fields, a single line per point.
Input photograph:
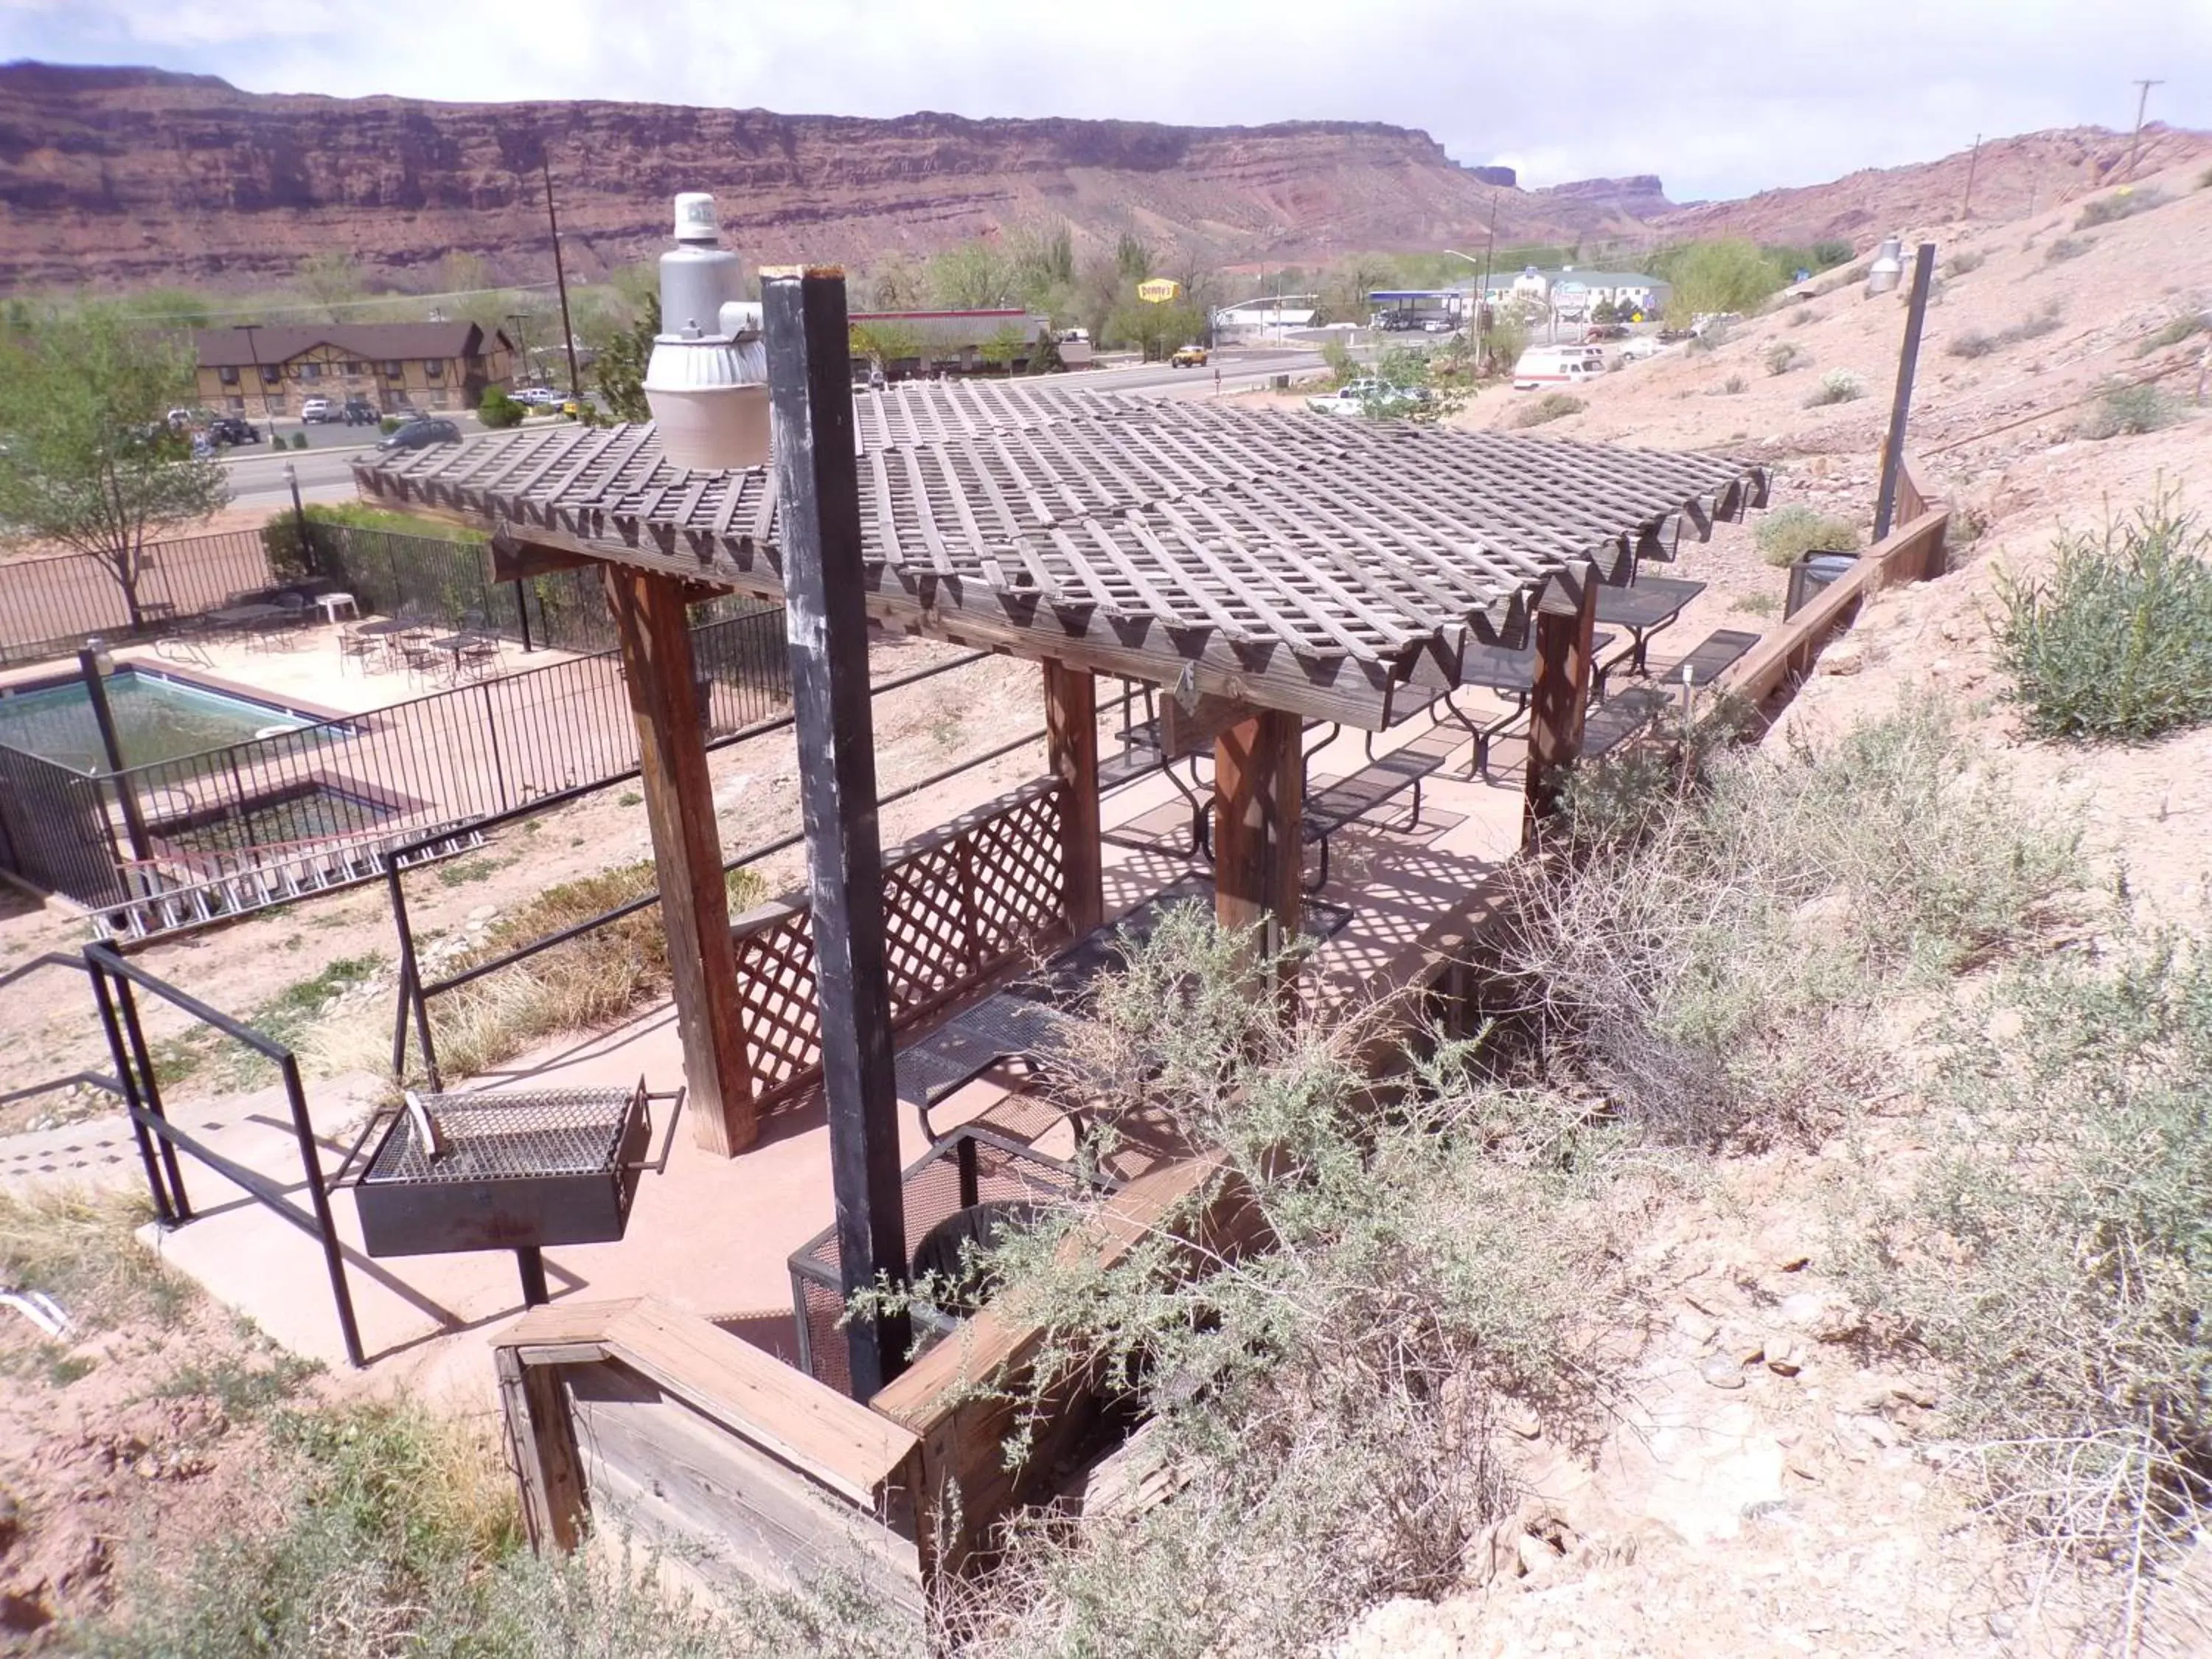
x=1966 y=203
x=93 y=664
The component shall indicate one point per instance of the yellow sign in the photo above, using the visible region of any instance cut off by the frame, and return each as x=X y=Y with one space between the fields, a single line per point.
x=1158 y=290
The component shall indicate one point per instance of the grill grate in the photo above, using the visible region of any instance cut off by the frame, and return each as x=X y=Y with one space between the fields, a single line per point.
x=510 y=1136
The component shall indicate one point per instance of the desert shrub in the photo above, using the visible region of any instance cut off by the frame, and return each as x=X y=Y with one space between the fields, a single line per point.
x=1788 y=532
x=589 y=981
x=2174 y=333
x=1837 y=385
x=2120 y=204
x=1801 y=316
x=2033 y=326
x=388 y=424
x=1712 y=337
x=2057 y=1253
x=298 y=441
x=395 y=1532
x=2129 y=411
x=1733 y=386
x=1972 y=343
x=1711 y=976
x=1324 y=1408
x=1781 y=357
x=2067 y=247
x=2115 y=643
x=1964 y=263
x=1551 y=406
x=497 y=410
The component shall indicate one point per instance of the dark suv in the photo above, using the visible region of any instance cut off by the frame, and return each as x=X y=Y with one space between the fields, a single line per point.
x=359 y=412
x=421 y=433
x=233 y=429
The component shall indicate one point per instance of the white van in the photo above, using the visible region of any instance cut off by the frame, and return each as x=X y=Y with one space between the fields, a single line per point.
x=1566 y=365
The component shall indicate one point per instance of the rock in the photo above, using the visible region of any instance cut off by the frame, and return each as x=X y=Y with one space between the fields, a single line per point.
x=1792 y=1260
x=1782 y=1356
x=1747 y=1349
x=1721 y=1372
x=483 y=913
x=1695 y=1326
x=1844 y=657
x=2006 y=1025
x=1520 y=1420
x=1538 y=1558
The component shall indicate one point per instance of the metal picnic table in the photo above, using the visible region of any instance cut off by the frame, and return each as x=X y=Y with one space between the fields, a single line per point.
x=1653 y=604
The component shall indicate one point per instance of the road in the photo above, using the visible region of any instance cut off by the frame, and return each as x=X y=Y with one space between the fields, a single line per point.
x=257 y=474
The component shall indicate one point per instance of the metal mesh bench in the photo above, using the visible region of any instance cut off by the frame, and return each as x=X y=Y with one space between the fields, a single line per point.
x=1374 y=784
x=1712 y=656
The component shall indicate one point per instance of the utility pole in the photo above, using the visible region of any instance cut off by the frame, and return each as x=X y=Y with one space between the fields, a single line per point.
x=1966 y=206
x=2143 y=102
x=1900 y=408
x=560 y=274
x=253 y=352
x=522 y=343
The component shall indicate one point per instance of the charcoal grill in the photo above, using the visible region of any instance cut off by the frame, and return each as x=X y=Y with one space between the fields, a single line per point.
x=505 y=1170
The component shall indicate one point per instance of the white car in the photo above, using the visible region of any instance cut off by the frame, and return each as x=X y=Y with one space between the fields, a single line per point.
x=316 y=409
x=538 y=397
x=1641 y=347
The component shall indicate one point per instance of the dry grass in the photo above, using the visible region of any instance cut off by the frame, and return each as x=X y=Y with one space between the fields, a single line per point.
x=76 y=1245
x=587 y=984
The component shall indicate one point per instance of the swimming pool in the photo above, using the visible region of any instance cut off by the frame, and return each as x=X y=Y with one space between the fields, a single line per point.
x=158 y=717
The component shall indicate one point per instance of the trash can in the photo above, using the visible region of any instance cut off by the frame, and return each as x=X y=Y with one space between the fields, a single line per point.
x=1814 y=569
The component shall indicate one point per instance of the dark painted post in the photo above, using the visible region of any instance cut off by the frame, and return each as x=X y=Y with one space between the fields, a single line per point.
x=819 y=514
x=1893 y=449
x=126 y=793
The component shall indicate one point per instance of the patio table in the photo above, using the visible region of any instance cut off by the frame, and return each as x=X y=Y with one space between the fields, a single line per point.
x=1512 y=676
x=246 y=617
x=1653 y=604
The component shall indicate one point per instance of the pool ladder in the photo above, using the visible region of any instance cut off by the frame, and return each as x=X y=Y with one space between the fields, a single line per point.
x=180 y=906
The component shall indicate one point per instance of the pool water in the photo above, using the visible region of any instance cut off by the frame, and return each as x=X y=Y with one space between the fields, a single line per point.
x=156 y=718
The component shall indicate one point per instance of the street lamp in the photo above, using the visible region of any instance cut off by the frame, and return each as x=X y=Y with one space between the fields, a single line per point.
x=707 y=380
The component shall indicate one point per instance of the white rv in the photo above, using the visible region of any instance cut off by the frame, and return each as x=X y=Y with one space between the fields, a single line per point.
x=1563 y=365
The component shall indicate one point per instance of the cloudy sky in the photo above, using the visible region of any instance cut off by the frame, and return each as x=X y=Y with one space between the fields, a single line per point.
x=1719 y=97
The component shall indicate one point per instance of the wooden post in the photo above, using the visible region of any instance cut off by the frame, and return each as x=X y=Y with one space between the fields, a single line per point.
x=1900 y=407
x=1567 y=619
x=1259 y=779
x=1070 y=714
x=819 y=509
x=541 y=1437
x=687 y=853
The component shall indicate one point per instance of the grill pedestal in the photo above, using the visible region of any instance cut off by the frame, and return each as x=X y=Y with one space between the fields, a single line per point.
x=511 y=1172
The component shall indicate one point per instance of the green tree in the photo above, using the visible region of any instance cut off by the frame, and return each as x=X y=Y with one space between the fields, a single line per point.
x=92 y=463
x=1154 y=329
x=886 y=343
x=1132 y=257
x=1731 y=274
x=618 y=370
x=1002 y=348
x=897 y=282
x=330 y=280
x=972 y=276
x=1603 y=313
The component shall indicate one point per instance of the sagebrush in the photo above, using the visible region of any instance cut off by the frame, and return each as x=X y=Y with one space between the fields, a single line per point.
x=1551 y=406
x=1711 y=966
x=2115 y=642
x=1788 y=533
x=2129 y=411
x=1837 y=385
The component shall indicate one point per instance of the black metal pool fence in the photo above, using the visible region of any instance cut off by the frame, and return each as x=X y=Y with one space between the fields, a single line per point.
x=51 y=606
x=449 y=757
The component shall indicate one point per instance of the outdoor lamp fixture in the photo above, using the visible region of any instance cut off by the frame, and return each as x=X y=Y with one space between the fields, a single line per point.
x=707 y=382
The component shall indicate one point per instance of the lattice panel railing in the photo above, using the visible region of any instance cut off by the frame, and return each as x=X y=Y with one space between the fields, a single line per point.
x=957 y=909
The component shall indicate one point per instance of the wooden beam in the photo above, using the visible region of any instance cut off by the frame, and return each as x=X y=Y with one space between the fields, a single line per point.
x=1559 y=696
x=1070 y=714
x=513 y=559
x=687 y=853
x=1259 y=779
x=818 y=493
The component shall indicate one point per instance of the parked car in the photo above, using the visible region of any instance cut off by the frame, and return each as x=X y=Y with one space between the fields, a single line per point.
x=1359 y=397
x=359 y=412
x=316 y=409
x=1190 y=356
x=421 y=433
x=233 y=429
x=1643 y=346
x=536 y=397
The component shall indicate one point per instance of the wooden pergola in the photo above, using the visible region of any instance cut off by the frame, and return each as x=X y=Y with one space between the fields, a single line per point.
x=1262 y=567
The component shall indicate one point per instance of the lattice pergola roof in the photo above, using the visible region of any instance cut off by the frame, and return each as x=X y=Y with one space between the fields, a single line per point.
x=1289 y=559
